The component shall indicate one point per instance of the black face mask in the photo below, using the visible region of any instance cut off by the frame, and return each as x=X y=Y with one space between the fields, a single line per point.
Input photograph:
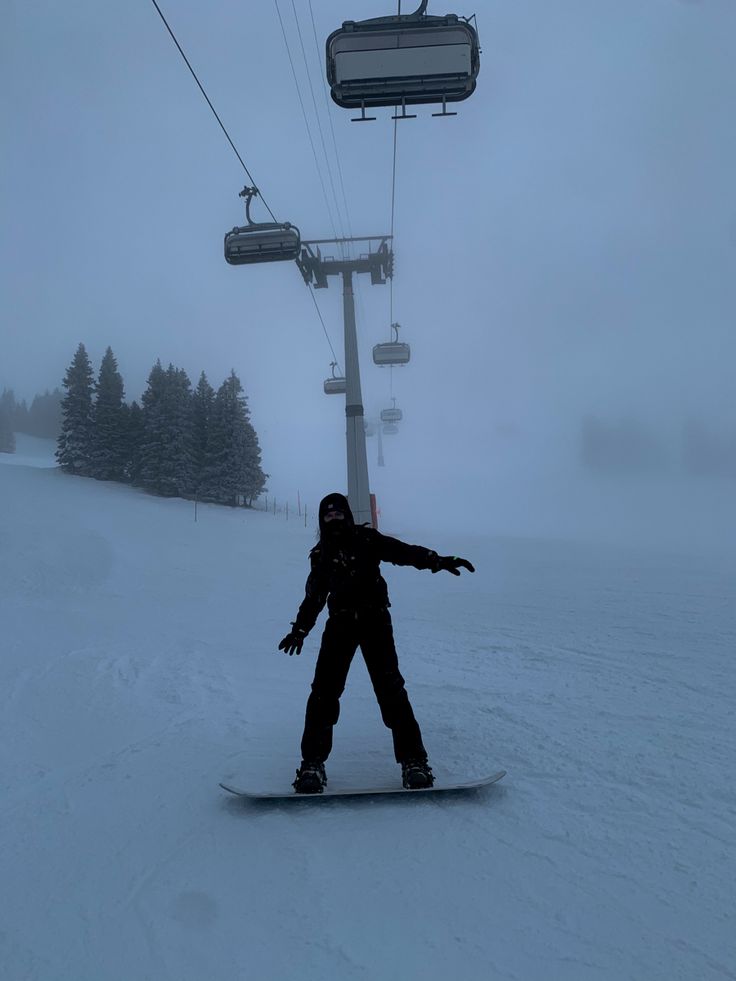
x=336 y=528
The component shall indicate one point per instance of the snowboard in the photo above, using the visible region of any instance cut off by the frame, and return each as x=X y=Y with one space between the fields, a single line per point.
x=338 y=790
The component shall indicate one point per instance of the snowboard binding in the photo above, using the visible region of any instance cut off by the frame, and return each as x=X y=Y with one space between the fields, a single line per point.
x=416 y=774
x=310 y=778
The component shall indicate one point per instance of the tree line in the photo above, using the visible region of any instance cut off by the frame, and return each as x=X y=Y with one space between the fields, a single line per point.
x=179 y=442
x=43 y=418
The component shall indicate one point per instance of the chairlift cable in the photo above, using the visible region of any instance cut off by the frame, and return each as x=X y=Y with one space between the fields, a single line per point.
x=209 y=103
x=393 y=171
x=332 y=128
x=235 y=150
x=321 y=320
x=319 y=124
x=306 y=121
x=314 y=154
x=393 y=209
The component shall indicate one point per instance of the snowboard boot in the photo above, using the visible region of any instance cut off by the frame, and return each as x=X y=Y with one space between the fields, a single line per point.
x=310 y=778
x=416 y=774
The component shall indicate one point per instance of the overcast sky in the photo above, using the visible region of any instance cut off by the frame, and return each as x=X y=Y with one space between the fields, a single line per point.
x=565 y=245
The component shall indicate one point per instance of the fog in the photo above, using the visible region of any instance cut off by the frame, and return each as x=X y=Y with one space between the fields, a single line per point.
x=565 y=251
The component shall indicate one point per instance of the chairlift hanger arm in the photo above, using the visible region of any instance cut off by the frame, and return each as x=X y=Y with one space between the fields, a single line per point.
x=418 y=14
x=248 y=193
x=260 y=241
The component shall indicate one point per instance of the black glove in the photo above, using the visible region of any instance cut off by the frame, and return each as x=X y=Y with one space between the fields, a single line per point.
x=292 y=642
x=451 y=563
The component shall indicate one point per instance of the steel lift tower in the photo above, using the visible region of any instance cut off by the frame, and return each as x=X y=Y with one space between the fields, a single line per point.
x=316 y=268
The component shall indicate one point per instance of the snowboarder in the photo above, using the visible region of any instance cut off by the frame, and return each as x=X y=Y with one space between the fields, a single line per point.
x=345 y=574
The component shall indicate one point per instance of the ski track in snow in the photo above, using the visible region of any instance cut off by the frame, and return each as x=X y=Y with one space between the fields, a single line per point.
x=139 y=664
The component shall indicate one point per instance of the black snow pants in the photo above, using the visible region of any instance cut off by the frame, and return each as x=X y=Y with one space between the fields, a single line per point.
x=370 y=630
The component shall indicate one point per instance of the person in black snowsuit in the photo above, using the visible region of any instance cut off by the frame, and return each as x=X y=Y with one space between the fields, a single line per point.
x=345 y=574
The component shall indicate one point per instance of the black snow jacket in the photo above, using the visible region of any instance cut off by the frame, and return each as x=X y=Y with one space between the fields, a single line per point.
x=346 y=575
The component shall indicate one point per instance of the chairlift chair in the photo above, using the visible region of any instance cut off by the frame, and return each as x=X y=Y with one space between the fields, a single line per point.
x=410 y=59
x=335 y=385
x=390 y=429
x=261 y=241
x=393 y=352
x=392 y=415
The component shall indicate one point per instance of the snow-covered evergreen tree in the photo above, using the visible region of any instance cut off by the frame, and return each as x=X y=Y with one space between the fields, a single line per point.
x=203 y=399
x=22 y=418
x=154 y=429
x=44 y=416
x=75 y=442
x=177 y=476
x=254 y=479
x=166 y=454
x=134 y=430
x=108 y=451
x=233 y=472
x=7 y=419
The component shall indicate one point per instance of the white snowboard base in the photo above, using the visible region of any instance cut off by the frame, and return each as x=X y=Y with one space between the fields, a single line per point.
x=336 y=790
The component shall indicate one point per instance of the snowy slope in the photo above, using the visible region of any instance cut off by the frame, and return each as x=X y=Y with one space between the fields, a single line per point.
x=139 y=665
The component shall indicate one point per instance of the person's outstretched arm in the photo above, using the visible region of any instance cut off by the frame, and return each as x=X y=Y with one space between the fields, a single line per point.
x=400 y=553
x=315 y=597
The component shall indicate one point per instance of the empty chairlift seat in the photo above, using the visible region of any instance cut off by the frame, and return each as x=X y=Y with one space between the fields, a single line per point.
x=393 y=352
x=390 y=429
x=391 y=415
x=411 y=59
x=264 y=242
x=335 y=385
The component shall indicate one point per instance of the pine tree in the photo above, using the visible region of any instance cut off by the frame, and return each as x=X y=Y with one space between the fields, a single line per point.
x=166 y=454
x=108 y=451
x=203 y=399
x=21 y=417
x=7 y=421
x=254 y=479
x=154 y=433
x=177 y=467
x=75 y=443
x=219 y=449
x=233 y=472
x=133 y=437
x=43 y=419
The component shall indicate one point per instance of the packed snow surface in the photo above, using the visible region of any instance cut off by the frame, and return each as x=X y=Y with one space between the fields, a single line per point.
x=139 y=665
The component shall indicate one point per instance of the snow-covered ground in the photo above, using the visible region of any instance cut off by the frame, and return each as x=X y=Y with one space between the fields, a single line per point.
x=31 y=452
x=138 y=665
